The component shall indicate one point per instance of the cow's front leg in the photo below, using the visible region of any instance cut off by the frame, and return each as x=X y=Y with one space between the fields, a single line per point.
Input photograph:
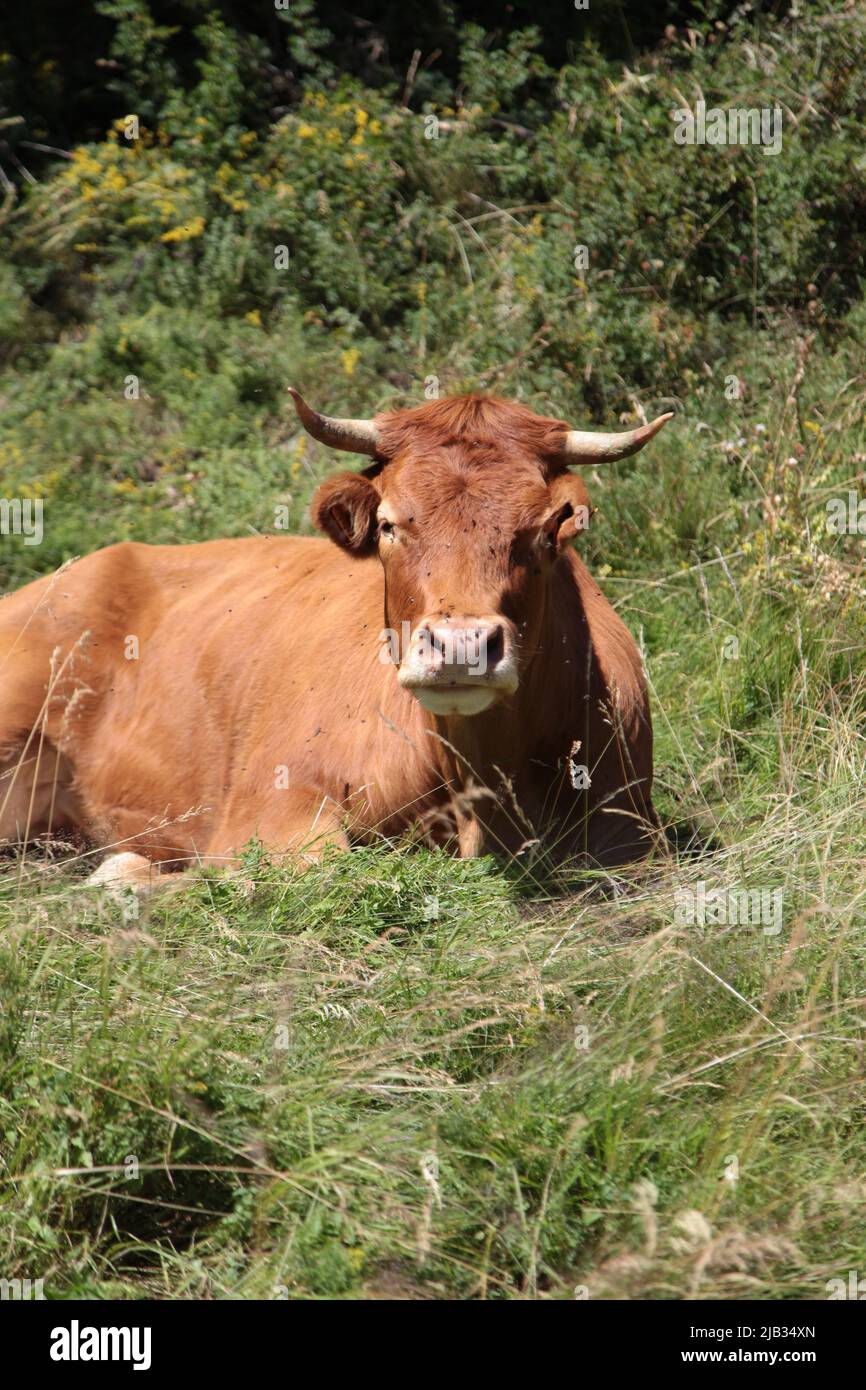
x=304 y=824
x=298 y=823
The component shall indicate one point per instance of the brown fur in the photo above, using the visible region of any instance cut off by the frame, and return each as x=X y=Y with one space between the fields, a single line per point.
x=262 y=654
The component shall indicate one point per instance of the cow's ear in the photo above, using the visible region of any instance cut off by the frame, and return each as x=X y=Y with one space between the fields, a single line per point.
x=344 y=507
x=570 y=509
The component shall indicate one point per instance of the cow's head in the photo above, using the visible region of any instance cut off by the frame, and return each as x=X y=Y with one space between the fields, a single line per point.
x=468 y=503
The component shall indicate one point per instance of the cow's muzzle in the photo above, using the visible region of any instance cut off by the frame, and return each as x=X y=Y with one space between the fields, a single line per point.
x=460 y=665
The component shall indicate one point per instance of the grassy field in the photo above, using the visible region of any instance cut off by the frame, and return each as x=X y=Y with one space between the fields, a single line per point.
x=396 y=1074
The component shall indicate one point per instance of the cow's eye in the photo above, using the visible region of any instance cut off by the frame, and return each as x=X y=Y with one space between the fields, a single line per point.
x=387 y=528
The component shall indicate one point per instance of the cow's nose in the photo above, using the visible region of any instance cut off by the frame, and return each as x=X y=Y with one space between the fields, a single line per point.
x=460 y=651
x=460 y=665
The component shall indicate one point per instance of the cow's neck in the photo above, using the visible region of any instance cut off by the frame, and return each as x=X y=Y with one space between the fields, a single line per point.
x=492 y=750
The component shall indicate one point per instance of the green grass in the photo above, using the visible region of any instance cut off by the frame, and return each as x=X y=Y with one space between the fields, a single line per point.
x=397 y=1074
x=286 y=1054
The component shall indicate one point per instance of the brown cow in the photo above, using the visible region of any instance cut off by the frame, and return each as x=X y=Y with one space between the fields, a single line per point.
x=178 y=701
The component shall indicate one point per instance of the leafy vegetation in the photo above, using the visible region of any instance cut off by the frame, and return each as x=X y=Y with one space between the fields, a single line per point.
x=396 y=1074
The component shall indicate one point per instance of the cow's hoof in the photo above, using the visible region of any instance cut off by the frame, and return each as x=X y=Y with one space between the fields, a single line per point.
x=121 y=872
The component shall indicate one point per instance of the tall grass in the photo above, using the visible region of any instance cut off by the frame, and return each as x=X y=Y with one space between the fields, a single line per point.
x=396 y=1074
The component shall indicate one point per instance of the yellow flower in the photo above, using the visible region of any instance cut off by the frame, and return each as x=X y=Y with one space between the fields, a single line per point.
x=306 y=132
x=114 y=181
x=361 y=118
x=349 y=359
x=84 y=163
x=186 y=232
x=254 y=317
x=297 y=457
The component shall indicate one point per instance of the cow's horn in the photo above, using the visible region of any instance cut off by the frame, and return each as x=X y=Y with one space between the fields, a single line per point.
x=358 y=436
x=585 y=446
